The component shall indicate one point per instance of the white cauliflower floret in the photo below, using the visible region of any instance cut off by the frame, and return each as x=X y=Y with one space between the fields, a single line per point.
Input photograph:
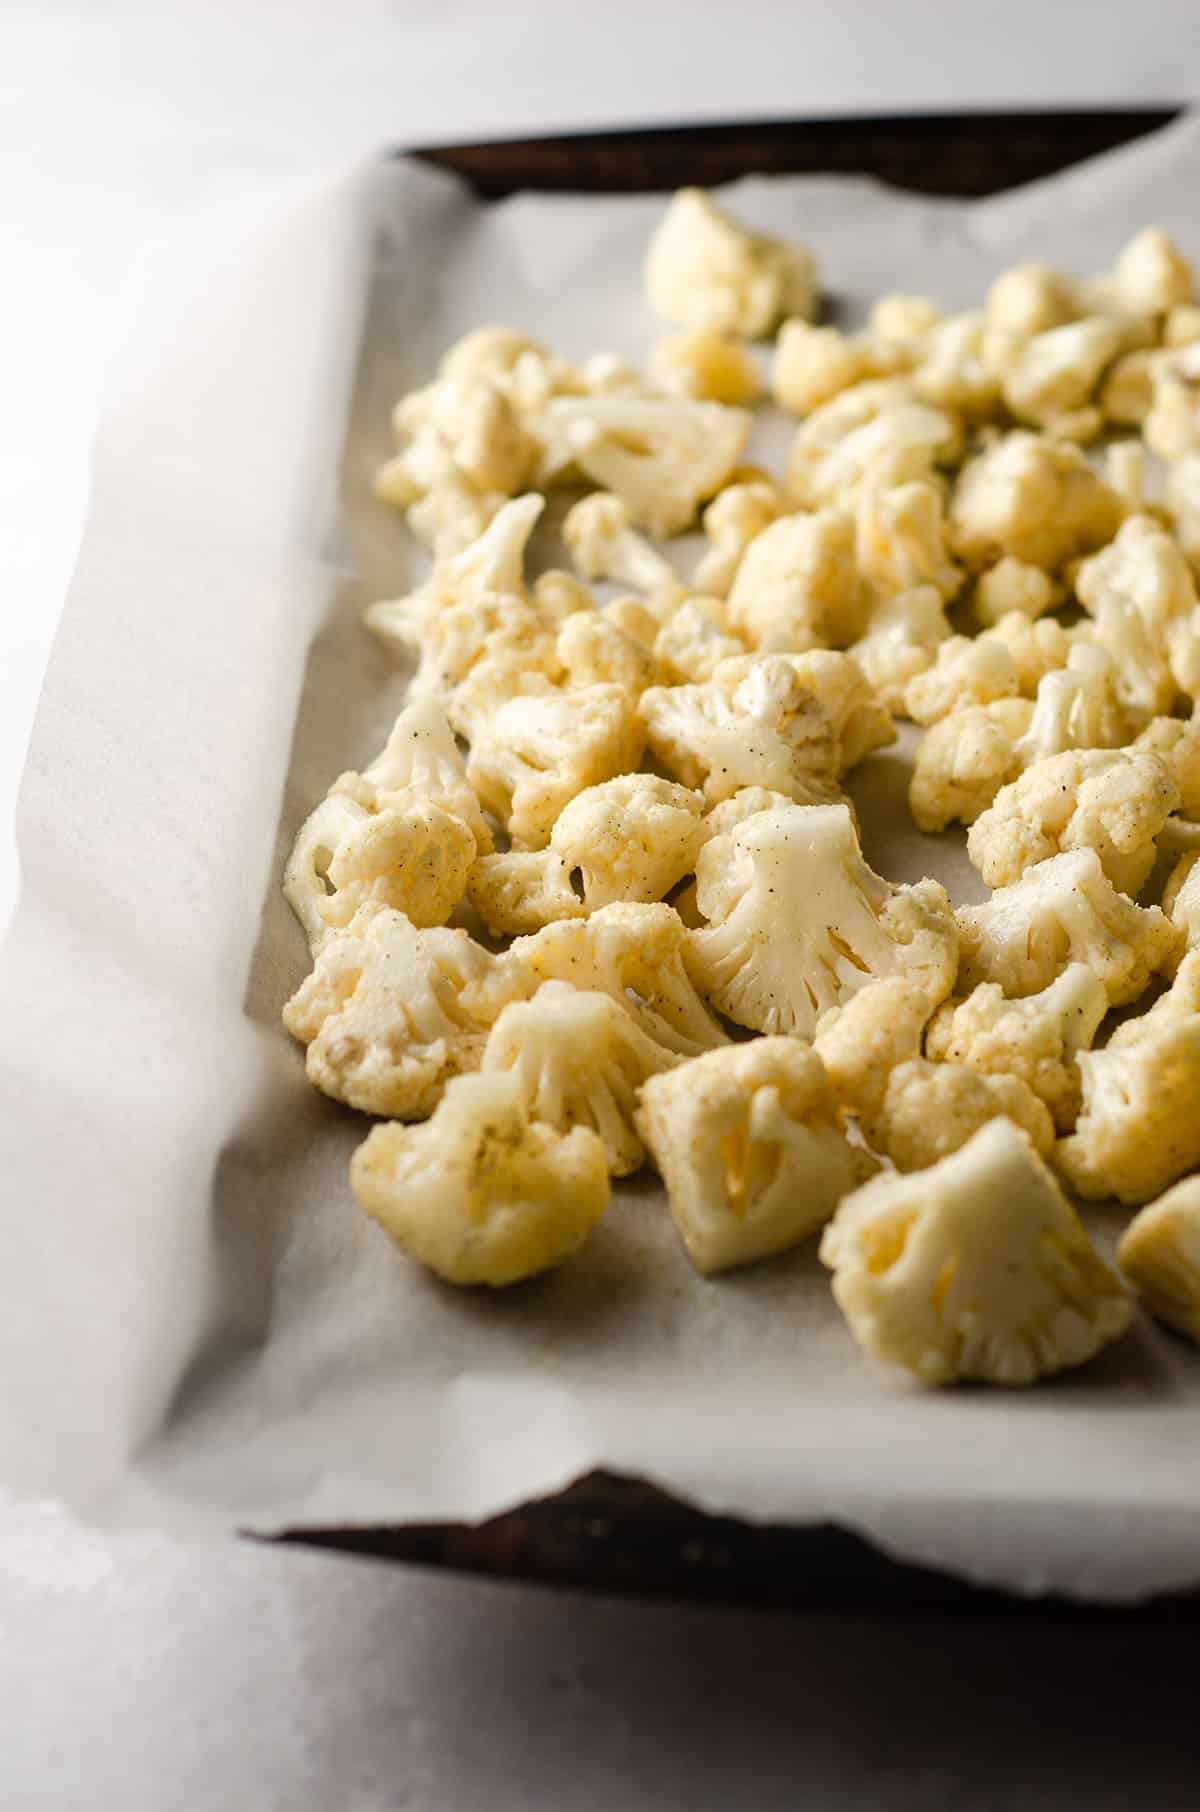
x=462 y=452
x=390 y=1012
x=1126 y=471
x=1145 y=567
x=1030 y=299
x=633 y=838
x=1033 y=498
x=694 y=640
x=523 y=369
x=931 y=1109
x=966 y=671
x=1182 y=325
x=749 y=1143
x=976 y=1269
x=953 y=371
x=1057 y=372
x=1038 y=647
x=1172 y=427
x=704 y=269
x=1181 y=897
x=661 y=456
x=1113 y=801
x=1160 y=1255
x=813 y=364
x=875 y=432
x=603 y=543
x=592 y=650
x=1013 y=585
x=902 y=638
x=798 y=586
x=522 y=890
x=705 y=364
x=1139 y=1127
x=1065 y=910
x=482 y=1194
x=900 y=539
x=418 y=765
x=1177 y=741
x=415 y=858
x=900 y=325
x=1183 y=502
x=798 y=922
x=732 y=520
x=963 y=761
x=580 y=1059
x=1138 y=673
x=863 y=1041
x=1037 y=1039
x=1078 y=706
x=1151 y=274
x=535 y=753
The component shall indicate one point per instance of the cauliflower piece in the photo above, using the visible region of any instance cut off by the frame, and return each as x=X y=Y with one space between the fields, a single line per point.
x=1137 y=672
x=1183 y=502
x=813 y=364
x=526 y=373
x=704 y=269
x=798 y=922
x=1033 y=498
x=953 y=372
x=390 y=1012
x=902 y=638
x=749 y=1143
x=876 y=431
x=1114 y=801
x=1126 y=472
x=521 y=890
x=977 y=1268
x=603 y=544
x=636 y=618
x=633 y=838
x=1160 y=1255
x=415 y=858
x=1139 y=1127
x=535 y=753
x=732 y=520
x=580 y=1060
x=899 y=326
x=965 y=672
x=1058 y=371
x=1127 y=393
x=722 y=820
x=797 y=586
x=1144 y=566
x=1151 y=274
x=462 y=451
x=593 y=651
x=787 y=722
x=1181 y=897
x=635 y=953
x=481 y=1194
x=418 y=765
x=931 y=1109
x=1030 y=299
x=1037 y=646
x=708 y=365
x=1013 y=585
x=662 y=457
x=1078 y=706
x=900 y=540
x=1172 y=427
x=1037 y=1040
x=1182 y=325
x=963 y=761
x=863 y=1041
x=1062 y=911
x=694 y=640
x=1176 y=740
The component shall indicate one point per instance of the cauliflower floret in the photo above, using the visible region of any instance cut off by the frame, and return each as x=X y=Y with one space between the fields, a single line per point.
x=1030 y=299
x=862 y=1042
x=1115 y=801
x=704 y=269
x=876 y=431
x=593 y=651
x=1033 y=498
x=749 y=1143
x=1013 y=585
x=1182 y=325
x=931 y=1109
x=526 y=373
x=900 y=540
x=481 y=1194
x=1138 y=674
x=1181 y=897
x=418 y=765
x=1038 y=647
x=975 y=1269
x=535 y=753
x=798 y=922
x=900 y=326
x=1172 y=427
x=1177 y=741
x=603 y=543
x=1078 y=706
x=954 y=372
x=902 y=638
x=705 y=364
x=1063 y=911
x=390 y=1012
x=1057 y=372
x=783 y=721
x=462 y=451
x=1183 y=502
x=1126 y=472
x=1145 y=567
x=813 y=364
x=694 y=640
x=798 y=587
x=415 y=858
x=1037 y=1039
x=1139 y=1128
x=661 y=456
x=1151 y=275
x=635 y=953
x=965 y=672
x=579 y=1059
x=633 y=838
x=732 y=520
x=963 y=761
x=1160 y=1255
x=521 y=890
x=1127 y=393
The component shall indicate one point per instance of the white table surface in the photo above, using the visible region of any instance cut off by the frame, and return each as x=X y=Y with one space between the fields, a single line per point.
x=137 y=1673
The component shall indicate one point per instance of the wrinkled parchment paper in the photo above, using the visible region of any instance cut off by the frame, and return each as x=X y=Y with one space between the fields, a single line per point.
x=198 y=1329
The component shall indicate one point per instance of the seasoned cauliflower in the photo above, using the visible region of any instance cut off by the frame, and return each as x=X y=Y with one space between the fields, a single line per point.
x=535 y=753
x=661 y=456
x=812 y=364
x=902 y=638
x=975 y=1269
x=1172 y=427
x=1151 y=275
x=633 y=838
x=1033 y=498
x=963 y=761
x=1114 y=801
x=1013 y=585
x=390 y=1012
x=900 y=326
x=900 y=540
x=580 y=1059
x=863 y=1041
x=966 y=671
x=694 y=640
x=1030 y=299
x=603 y=543
x=1160 y=1255
x=1078 y=706
x=1176 y=740
x=482 y=1194
x=876 y=432
x=1144 y=566
x=931 y=1109
x=1057 y=372
x=1138 y=670
x=1183 y=504
x=1126 y=471
x=418 y=765
x=462 y=451
x=953 y=371
x=1182 y=325
x=704 y=269
x=1037 y=647
x=797 y=922
x=1037 y=1039
x=798 y=586
x=521 y=890
x=415 y=858
x=749 y=1143
x=706 y=364
x=732 y=520
x=1063 y=911
x=523 y=369
x=593 y=651
x=1139 y=1128
x=1127 y=393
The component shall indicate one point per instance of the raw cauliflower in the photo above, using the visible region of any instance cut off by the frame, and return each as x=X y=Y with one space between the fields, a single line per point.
x=813 y=364
x=797 y=922
x=900 y=540
x=604 y=544
x=419 y=764
x=633 y=838
x=1063 y=911
x=903 y=634
x=592 y=650
x=1151 y=275
x=931 y=1109
x=976 y=1269
x=876 y=432
x=1037 y=648
x=749 y=1143
x=863 y=1041
x=954 y=370
x=1183 y=503
x=1037 y=1039
x=482 y=1194
x=1079 y=706
x=1176 y=740
x=1114 y=801
x=1033 y=498
x=1145 y=567
x=1140 y=673
x=705 y=364
x=694 y=640
x=966 y=671
x=521 y=890
x=462 y=451
x=704 y=269
x=798 y=585
x=1172 y=426
x=731 y=521
x=1160 y=1255
x=963 y=761
x=415 y=858
x=1181 y=897
x=1057 y=372
x=1014 y=585
x=536 y=753
x=580 y=1059
x=1139 y=1128
x=1030 y=299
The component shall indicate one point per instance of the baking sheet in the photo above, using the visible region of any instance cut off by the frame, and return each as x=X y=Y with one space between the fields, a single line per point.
x=198 y=1329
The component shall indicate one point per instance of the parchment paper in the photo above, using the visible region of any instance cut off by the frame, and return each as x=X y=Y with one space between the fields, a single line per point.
x=198 y=1329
